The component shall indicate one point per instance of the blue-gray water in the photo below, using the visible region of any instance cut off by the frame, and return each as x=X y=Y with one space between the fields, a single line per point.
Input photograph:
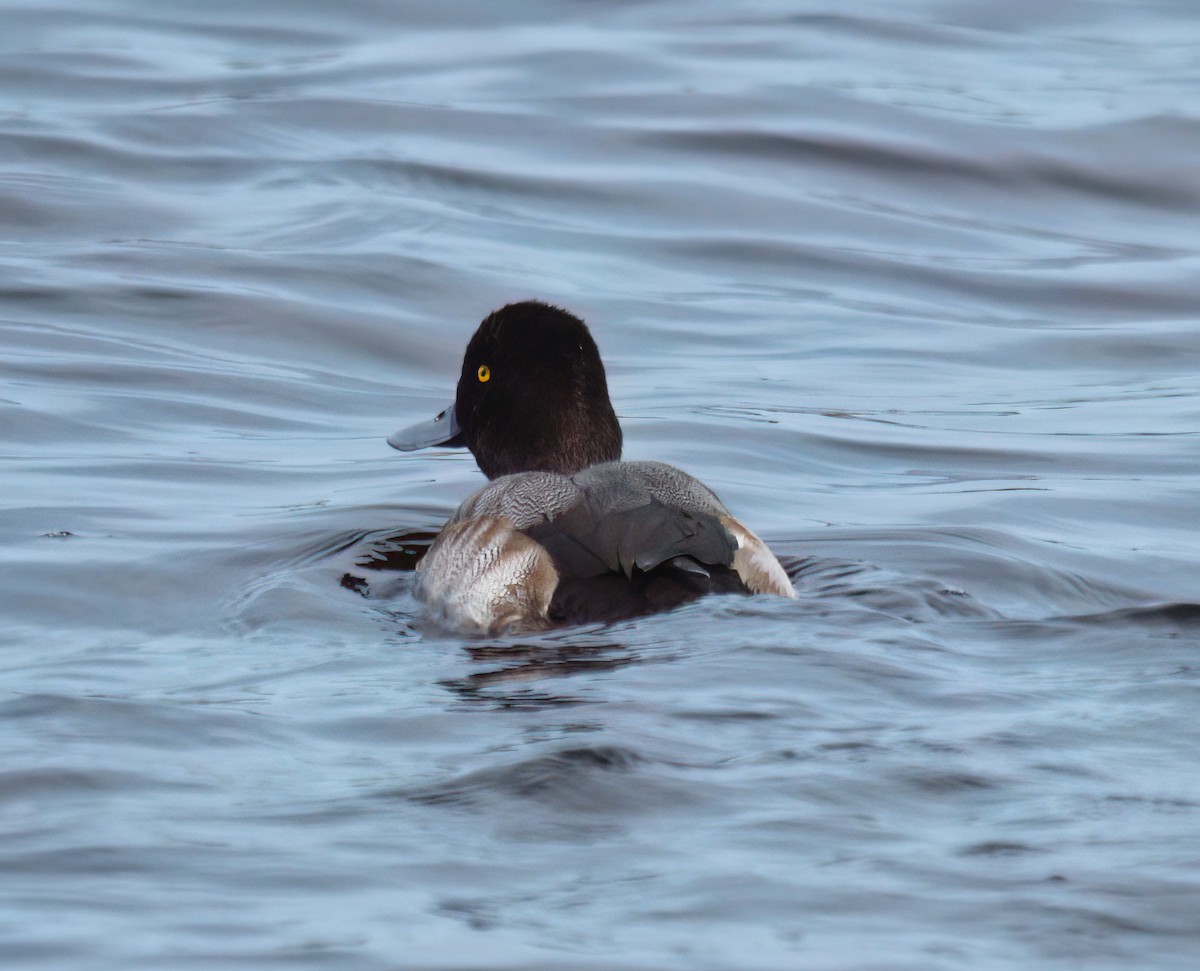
x=915 y=287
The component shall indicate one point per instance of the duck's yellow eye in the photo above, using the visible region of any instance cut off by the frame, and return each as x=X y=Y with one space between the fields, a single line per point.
x=485 y=373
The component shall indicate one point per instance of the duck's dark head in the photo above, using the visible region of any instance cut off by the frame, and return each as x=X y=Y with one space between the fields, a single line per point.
x=532 y=396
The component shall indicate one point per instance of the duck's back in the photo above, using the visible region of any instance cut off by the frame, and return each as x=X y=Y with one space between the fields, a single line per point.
x=614 y=540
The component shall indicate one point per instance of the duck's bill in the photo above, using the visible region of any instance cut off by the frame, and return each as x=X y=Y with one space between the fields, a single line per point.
x=443 y=430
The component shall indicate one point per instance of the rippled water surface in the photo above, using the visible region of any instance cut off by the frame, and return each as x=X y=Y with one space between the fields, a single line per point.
x=914 y=287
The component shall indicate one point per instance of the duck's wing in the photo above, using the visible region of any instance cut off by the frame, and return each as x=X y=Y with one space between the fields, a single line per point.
x=609 y=518
x=696 y=523
x=597 y=536
x=647 y=515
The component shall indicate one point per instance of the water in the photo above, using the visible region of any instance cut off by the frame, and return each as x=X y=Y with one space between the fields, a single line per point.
x=912 y=287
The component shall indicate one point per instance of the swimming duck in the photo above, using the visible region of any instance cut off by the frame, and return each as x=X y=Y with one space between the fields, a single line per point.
x=565 y=532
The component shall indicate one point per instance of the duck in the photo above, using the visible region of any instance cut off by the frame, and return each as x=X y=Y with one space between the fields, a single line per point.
x=566 y=532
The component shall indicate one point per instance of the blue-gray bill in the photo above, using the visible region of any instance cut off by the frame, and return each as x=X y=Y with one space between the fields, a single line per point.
x=442 y=430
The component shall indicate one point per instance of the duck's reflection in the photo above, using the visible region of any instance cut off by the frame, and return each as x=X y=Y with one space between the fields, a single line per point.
x=398 y=553
x=520 y=665
x=401 y=551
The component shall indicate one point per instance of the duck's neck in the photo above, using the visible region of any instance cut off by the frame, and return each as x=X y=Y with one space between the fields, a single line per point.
x=565 y=443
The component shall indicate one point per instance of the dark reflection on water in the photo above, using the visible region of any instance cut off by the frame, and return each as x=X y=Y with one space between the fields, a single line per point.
x=506 y=670
x=913 y=288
